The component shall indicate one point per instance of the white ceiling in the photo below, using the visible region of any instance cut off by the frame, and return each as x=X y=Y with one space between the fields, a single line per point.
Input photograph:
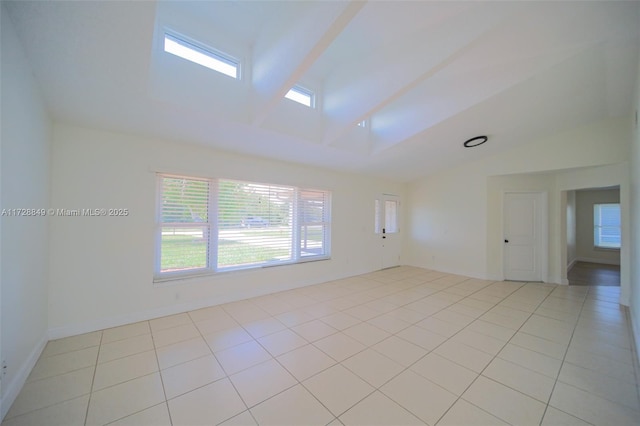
x=426 y=75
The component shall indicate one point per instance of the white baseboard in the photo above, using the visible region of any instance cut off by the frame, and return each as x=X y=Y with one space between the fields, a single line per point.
x=572 y=264
x=115 y=321
x=596 y=260
x=11 y=391
x=635 y=331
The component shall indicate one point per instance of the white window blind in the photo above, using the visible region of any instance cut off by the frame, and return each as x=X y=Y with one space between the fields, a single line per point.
x=313 y=214
x=207 y=225
x=184 y=227
x=255 y=224
x=391 y=216
x=606 y=226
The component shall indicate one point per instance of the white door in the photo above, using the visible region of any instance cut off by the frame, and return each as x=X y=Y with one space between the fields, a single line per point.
x=523 y=235
x=388 y=229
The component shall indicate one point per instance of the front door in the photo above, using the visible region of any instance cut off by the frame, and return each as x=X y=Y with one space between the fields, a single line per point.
x=523 y=219
x=388 y=229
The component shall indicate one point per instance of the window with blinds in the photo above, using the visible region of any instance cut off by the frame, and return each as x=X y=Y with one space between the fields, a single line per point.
x=606 y=226
x=184 y=225
x=313 y=223
x=208 y=225
x=255 y=224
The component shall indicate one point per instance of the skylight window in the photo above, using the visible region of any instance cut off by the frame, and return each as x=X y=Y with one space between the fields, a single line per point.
x=301 y=95
x=201 y=56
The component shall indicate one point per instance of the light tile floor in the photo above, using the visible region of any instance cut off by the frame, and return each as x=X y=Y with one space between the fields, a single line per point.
x=394 y=347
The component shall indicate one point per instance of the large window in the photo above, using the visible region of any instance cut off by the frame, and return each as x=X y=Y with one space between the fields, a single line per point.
x=606 y=226
x=207 y=225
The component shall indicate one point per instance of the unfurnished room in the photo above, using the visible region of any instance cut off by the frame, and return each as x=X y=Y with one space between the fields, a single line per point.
x=319 y=213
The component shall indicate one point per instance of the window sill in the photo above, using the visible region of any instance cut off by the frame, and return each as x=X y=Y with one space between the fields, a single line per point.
x=614 y=249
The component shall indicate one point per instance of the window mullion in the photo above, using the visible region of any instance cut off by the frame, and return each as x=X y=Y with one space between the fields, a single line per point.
x=213 y=225
x=295 y=223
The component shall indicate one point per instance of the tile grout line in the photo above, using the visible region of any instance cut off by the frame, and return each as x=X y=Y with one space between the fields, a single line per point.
x=494 y=357
x=95 y=370
x=584 y=300
x=164 y=391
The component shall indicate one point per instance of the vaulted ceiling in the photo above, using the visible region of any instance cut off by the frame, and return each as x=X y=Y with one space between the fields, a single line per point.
x=425 y=75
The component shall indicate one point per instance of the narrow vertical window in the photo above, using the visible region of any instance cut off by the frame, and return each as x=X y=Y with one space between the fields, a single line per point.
x=313 y=222
x=183 y=224
x=606 y=226
x=377 y=228
x=391 y=216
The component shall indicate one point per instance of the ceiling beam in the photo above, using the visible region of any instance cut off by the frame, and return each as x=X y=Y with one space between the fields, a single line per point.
x=475 y=23
x=282 y=61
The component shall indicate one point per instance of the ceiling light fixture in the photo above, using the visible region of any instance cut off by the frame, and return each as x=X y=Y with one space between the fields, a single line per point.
x=473 y=142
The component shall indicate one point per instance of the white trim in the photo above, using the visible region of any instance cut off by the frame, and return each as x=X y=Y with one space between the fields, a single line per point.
x=635 y=335
x=116 y=321
x=10 y=392
x=597 y=260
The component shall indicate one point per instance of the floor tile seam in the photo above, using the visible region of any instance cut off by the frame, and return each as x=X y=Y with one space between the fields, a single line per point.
x=350 y=407
x=486 y=366
x=566 y=351
x=158 y=372
x=74 y=369
x=93 y=379
x=6 y=418
x=433 y=351
x=138 y=352
x=602 y=395
x=154 y=333
x=164 y=390
x=533 y=350
x=120 y=339
x=614 y=403
x=589 y=350
x=634 y=351
x=301 y=383
x=249 y=407
x=44 y=356
x=138 y=412
x=471 y=403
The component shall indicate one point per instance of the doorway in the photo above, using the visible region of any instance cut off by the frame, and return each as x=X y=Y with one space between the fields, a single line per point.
x=590 y=274
x=524 y=234
x=387 y=227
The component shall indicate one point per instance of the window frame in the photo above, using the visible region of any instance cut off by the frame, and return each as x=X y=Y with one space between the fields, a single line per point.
x=202 y=49
x=214 y=229
x=381 y=219
x=304 y=92
x=159 y=225
x=597 y=228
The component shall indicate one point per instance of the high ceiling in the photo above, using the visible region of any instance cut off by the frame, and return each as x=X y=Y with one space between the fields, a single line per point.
x=425 y=75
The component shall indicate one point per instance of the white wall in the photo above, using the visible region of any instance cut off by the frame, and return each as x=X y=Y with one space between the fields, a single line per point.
x=455 y=217
x=102 y=268
x=634 y=304
x=585 y=199
x=24 y=184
